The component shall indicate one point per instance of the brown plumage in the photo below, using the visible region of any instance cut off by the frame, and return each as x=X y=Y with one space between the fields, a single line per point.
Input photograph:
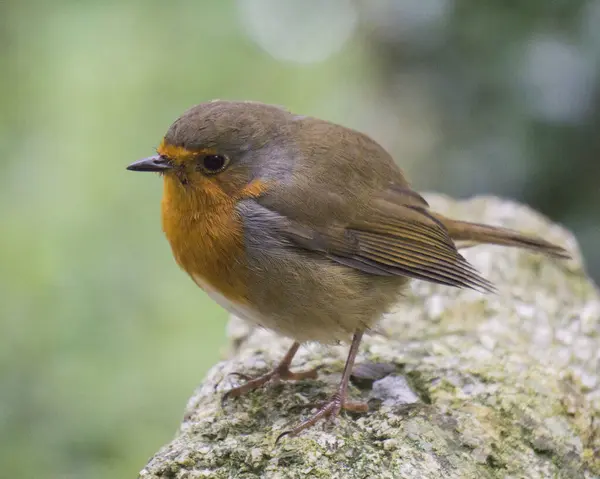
x=304 y=227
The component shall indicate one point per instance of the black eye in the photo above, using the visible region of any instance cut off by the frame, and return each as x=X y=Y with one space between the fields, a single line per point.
x=212 y=164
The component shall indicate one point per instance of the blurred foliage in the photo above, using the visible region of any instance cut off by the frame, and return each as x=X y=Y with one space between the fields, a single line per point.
x=102 y=337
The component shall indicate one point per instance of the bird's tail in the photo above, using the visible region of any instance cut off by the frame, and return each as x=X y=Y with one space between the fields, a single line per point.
x=475 y=233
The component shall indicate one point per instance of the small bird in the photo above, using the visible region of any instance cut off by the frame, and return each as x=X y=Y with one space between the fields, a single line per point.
x=304 y=227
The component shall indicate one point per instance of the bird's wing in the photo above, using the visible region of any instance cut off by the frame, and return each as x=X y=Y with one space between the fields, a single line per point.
x=394 y=236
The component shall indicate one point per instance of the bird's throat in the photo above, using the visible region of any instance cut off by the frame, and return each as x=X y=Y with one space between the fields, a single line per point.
x=206 y=236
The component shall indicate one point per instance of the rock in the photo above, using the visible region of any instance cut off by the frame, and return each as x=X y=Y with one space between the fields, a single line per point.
x=472 y=385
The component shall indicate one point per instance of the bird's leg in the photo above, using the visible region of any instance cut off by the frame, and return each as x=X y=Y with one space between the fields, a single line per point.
x=281 y=371
x=332 y=407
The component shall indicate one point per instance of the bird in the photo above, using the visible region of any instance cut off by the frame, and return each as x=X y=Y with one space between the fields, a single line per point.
x=306 y=228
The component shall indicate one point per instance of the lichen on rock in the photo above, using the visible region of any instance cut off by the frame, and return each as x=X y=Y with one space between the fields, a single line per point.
x=460 y=384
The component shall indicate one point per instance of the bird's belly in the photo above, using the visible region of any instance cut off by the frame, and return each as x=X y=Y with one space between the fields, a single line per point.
x=286 y=323
x=307 y=308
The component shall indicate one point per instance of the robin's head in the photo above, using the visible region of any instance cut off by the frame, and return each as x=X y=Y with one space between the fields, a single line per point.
x=219 y=145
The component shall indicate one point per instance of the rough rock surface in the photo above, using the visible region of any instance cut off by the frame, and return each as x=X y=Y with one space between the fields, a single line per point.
x=460 y=384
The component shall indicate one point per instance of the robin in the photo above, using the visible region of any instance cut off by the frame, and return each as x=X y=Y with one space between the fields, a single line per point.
x=304 y=227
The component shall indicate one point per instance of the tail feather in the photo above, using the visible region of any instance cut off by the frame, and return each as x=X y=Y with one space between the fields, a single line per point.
x=478 y=233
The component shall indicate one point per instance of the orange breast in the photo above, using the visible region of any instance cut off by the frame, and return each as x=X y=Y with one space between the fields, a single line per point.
x=206 y=235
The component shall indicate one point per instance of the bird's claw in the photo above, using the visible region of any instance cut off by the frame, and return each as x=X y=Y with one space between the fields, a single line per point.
x=329 y=409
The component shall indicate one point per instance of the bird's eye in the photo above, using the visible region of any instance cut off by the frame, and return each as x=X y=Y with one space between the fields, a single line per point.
x=212 y=164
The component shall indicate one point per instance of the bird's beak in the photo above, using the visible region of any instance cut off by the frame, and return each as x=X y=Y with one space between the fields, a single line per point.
x=152 y=163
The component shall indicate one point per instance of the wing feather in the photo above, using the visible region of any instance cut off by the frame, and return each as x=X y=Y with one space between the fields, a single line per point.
x=396 y=236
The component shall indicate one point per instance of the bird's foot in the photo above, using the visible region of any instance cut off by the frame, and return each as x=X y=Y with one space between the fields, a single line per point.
x=329 y=409
x=281 y=372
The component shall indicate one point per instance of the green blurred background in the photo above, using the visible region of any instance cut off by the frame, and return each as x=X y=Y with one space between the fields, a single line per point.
x=102 y=337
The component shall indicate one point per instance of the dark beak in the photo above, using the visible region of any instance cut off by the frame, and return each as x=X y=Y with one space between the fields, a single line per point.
x=152 y=163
